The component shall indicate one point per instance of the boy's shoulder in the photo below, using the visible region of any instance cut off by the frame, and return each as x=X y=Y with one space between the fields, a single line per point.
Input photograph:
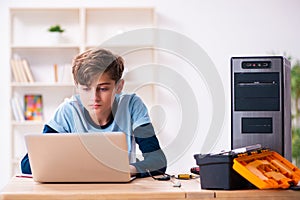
x=127 y=97
x=71 y=103
x=71 y=100
x=124 y=95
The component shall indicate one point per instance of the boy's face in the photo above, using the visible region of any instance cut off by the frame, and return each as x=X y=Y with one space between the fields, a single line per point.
x=98 y=98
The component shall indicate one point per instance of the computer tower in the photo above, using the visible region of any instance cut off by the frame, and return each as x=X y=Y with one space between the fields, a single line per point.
x=261 y=103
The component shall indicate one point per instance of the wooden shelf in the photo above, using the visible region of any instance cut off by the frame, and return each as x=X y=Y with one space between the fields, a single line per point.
x=27 y=123
x=44 y=46
x=41 y=84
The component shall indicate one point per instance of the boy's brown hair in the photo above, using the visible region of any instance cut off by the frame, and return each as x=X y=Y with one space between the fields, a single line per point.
x=92 y=63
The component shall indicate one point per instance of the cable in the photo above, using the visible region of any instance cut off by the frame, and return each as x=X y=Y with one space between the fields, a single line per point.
x=165 y=177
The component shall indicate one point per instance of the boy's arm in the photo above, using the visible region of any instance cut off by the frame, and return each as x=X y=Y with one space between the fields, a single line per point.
x=154 y=158
x=25 y=165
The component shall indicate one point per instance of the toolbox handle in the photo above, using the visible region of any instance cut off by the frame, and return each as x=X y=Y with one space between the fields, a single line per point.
x=239 y=150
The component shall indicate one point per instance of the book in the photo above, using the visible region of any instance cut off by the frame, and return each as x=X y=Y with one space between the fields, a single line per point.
x=17 y=109
x=66 y=75
x=55 y=73
x=14 y=110
x=15 y=71
x=33 y=107
x=21 y=70
x=28 y=72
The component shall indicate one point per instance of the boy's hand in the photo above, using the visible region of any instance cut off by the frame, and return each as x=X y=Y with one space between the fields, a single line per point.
x=133 y=170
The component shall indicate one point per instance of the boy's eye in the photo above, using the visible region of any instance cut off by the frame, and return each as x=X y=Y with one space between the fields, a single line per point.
x=86 y=89
x=101 y=89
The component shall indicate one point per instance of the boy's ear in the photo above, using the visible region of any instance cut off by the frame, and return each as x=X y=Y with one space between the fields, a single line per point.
x=120 y=86
x=76 y=87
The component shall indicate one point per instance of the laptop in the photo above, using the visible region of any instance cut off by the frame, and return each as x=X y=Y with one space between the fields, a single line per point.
x=80 y=157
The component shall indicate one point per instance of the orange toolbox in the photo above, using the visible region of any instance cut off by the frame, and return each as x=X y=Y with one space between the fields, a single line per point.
x=266 y=169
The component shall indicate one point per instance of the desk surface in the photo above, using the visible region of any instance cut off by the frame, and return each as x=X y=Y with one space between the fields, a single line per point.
x=146 y=188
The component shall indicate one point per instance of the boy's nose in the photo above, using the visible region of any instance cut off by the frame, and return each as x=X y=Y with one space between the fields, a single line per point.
x=95 y=94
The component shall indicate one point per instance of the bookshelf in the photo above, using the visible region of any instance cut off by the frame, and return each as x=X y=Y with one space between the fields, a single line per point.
x=30 y=40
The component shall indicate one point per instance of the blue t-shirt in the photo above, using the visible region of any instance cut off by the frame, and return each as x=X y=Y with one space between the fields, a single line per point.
x=130 y=113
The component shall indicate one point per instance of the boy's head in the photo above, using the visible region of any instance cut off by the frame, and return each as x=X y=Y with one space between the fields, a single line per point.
x=97 y=74
x=90 y=64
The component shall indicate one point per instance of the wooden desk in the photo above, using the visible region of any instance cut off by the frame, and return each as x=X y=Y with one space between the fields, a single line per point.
x=194 y=192
x=146 y=188
x=258 y=195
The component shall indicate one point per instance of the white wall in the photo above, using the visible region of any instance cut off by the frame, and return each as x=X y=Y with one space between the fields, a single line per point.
x=222 y=28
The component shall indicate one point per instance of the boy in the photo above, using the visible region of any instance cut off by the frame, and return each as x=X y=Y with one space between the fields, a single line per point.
x=100 y=106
